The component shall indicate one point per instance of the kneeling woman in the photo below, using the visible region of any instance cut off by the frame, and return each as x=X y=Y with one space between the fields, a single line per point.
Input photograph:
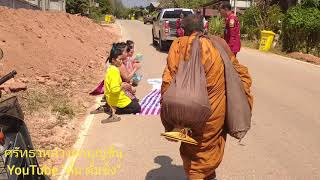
x=115 y=95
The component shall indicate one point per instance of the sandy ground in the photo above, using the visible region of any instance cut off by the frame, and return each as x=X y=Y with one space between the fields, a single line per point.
x=305 y=57
x=282 y=144
x=60 y=57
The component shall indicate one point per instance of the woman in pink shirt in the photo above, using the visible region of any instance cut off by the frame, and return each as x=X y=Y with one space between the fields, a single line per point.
x=130 y=64
x=128 y=69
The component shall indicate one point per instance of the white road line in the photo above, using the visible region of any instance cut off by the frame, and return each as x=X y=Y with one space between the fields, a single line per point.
x=121 y=33
x=284 y=57
x=70 y=162
x=64 y=175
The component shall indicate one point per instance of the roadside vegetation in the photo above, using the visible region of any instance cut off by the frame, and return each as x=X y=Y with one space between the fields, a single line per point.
x=297 y=29
x=102 y=8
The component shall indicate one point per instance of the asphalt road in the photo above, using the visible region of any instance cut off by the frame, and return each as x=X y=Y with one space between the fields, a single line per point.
x=284 y=142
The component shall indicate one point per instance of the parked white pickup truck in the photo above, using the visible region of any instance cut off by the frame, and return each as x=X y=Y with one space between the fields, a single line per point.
x=164 y=29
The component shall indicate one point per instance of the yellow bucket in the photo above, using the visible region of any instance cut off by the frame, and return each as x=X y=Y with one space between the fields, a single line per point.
x=266 y=40
x=107 y=18
x=132 y=18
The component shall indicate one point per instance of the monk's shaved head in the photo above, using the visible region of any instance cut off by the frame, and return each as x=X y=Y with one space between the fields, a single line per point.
x=192 y=23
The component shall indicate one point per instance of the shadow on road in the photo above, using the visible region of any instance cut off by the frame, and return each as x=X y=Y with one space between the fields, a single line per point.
x=157 y=48
x=167 y=171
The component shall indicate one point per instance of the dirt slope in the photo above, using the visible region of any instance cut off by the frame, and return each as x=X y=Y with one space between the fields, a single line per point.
x=61 y=58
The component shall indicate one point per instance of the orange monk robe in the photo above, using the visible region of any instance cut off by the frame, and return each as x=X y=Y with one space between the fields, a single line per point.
x=200 y=161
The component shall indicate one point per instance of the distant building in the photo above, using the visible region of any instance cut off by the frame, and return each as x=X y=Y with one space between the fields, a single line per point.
x=210 y=9
x=57 y=5
x=46 y=5
x=50 y=5
x=16 y=4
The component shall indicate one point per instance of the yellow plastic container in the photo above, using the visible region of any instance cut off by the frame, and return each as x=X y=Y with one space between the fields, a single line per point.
x=266 y=40
x=132 y=18
x=107 y=18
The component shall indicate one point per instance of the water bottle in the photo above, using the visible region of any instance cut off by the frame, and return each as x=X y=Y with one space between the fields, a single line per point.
x=137 y=77
x=139 y=57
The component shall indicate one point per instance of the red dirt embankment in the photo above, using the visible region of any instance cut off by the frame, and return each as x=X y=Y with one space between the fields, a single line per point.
x=60 y=57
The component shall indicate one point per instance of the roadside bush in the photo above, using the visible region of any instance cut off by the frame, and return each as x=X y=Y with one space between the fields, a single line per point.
x=310 y=4
x=216 y=26
x=274 y=19
x=250 y=23
x=96 y=14
x=257 y=18
x=77 y=6
x=113 y=19
x=301 y=28
x=154 y=14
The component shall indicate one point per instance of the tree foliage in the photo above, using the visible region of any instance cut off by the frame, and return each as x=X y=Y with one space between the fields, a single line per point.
x=216 y=26
x=105 y=6
x=261 y=17
x=193 y=4
x=77 y=6
x=83 y=7
x=310 y=4
x=301 y=28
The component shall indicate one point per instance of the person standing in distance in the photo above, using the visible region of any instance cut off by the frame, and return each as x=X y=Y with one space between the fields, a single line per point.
x=232 y=27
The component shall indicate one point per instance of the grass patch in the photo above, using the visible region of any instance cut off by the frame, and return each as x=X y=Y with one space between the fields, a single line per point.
x=250 y=44
x=255 y=45
x=37 y=100
x=278 y=51
x=63 y=108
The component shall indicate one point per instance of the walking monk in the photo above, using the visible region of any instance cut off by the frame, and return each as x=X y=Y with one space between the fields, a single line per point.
x=200 y=161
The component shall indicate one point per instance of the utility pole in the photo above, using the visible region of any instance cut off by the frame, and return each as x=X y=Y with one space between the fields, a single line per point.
x=43 y=4
x=235 y=7
x=13 y=4
x=64 y=5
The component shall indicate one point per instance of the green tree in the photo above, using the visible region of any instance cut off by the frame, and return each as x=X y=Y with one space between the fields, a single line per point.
x=77 y=6
x=250 y=22
x=310 y=4
x=105 y=6
x=193 y=4
x=261 y=17
x=301 y=29
x=216 y=26
x=118 y=9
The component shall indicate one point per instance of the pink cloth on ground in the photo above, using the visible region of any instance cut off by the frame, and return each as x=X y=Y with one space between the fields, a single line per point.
x=98 y=90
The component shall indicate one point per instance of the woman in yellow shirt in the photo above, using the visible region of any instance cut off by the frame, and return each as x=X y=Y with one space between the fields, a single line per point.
x=113 y=86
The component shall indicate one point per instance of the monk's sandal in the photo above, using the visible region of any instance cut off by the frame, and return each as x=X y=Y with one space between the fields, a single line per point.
x=181 y=135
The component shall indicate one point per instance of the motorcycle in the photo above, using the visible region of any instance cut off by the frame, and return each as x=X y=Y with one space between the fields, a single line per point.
x=14 y=135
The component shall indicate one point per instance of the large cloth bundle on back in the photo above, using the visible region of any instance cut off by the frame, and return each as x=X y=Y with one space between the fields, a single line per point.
x=186 y=104
x=238 y=114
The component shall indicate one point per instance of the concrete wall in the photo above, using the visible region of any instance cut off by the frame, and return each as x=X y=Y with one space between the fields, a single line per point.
x=55 y=5
x=16 y=4
x=35 y=2
x=50 y=5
